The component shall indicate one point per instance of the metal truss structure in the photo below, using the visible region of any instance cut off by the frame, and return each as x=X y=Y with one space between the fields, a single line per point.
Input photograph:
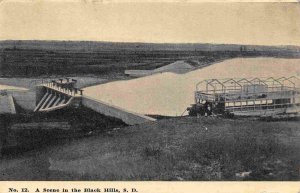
x=250 y=96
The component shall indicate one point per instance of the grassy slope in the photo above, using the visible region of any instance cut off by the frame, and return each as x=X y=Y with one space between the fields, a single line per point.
x=172 y=149
x=109 y=60
x=104 y=63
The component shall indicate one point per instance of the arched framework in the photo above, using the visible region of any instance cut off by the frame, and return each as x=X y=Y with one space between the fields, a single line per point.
x=244 y=94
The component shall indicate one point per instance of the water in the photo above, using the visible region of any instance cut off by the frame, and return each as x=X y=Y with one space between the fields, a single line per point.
x=170 y=94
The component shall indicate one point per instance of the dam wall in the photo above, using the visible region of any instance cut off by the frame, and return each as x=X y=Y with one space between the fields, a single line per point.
x=55 y=95
x=101 y=107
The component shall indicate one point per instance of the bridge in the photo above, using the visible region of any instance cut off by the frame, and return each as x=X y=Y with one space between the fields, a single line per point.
x=62 y=93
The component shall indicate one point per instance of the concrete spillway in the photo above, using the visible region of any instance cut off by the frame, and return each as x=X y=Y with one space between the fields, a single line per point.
x=101 y=107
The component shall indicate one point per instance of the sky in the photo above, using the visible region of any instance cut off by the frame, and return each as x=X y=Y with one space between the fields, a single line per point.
x=234 y=23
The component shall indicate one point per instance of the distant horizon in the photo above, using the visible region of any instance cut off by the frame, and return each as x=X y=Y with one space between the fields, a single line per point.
x=169 y=43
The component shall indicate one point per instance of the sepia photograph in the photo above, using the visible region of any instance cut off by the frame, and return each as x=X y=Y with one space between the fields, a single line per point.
x=106 y=90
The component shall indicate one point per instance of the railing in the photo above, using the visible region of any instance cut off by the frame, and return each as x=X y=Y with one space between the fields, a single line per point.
x=64 y=87
x=288 y=93
x=260 y=107
x=249 y=102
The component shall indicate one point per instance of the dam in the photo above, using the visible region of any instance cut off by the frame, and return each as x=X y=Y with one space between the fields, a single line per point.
x=62 y=93
x=165 y=94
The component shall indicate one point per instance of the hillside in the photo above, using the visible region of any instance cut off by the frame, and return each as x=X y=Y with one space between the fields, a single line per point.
x=48 y=58
x=98 y=46
x=171 y=149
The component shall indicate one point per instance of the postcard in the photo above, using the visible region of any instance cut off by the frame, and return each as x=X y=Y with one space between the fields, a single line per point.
x=149 y=96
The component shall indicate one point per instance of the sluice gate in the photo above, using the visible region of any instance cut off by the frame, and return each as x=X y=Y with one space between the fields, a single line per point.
x=55 y=95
